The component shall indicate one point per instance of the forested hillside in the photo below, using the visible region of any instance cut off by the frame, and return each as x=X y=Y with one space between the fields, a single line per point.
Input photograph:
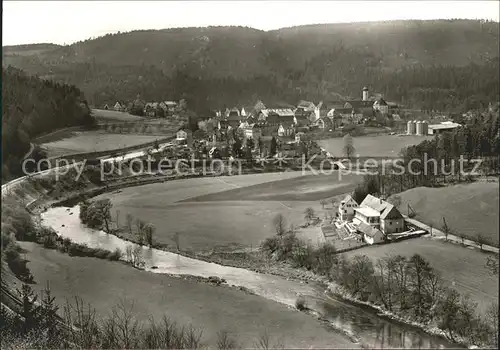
x=31 y=107
x=442 y=64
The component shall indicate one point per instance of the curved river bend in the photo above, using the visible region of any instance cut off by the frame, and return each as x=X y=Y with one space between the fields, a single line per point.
x=370 y=329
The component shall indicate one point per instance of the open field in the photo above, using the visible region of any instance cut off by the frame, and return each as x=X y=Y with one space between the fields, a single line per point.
x=305 y=188
x=469 y=209
x=373 y=146
x=205 y=306
x=235 y=211
x=93 y=141
x=461 y=268
x=110 y=115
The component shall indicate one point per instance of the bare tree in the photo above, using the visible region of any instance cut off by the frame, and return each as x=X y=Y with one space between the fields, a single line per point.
x=480 y=240
x=445 y=229
x=149 y=230
x=177 y=240
x=134 y=256
x=348 y=146
x=323 y=202
x=129 y=218
x=140 y=230
x=279 y=224
x=117 y=219
x=264 y=341
x=309 y=214
x=225 y=341
x=83 y=318
x=137 y=259
x=126 y=326
x=103 y=209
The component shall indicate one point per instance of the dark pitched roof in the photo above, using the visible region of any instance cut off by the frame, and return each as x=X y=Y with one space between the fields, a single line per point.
x=356 y=104
x=306 y=105
x=381 y=102
x=300 y=113
x=275 y=119
x=343 y=110
x=386 y=209
x=368 y=230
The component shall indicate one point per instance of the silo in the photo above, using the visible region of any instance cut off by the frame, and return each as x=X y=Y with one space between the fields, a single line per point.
x=425 y=128
x=408 y=127
x=419 y=128
x=411 y=125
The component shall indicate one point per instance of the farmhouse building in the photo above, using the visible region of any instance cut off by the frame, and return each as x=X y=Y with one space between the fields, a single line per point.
x=252 y=131
x=443 y=127
x=184 y=136
x=371 y=235
x=119 y=106
x=380 y=215
x=381 y=106
x=346 y=208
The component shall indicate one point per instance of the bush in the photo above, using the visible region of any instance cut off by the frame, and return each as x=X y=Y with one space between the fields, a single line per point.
x=18 y=221
x=270 y=245
x=115 y=255
x=300 y=303
x=17 y=264
x=7 y=239
x=49 y=242
x=302 y=256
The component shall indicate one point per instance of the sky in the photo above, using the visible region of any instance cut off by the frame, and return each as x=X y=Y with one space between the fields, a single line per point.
x=65 y=22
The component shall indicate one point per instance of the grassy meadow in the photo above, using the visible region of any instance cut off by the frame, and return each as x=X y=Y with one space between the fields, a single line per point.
x=186 y=301
x=373 y=146
x=103 y=115
x=92 y=141
x=223 y=212
x=469 y=209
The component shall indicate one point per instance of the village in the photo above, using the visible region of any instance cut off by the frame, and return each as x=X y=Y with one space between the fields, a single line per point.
x=258 y=132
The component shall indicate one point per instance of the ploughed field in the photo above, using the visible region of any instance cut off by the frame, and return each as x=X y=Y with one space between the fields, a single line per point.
x=207 y=307
x=93 y=141
x=373 y=146
x=230 y=211
x=461 y=268
x=469 y=209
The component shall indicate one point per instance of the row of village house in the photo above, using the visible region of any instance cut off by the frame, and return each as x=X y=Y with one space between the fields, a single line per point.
x=259 y=120
x=149 y=108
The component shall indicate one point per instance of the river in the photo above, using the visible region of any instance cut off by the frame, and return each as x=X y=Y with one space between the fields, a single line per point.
x=363 y=323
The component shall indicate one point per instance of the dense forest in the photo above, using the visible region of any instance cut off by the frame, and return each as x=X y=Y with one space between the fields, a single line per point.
x=31 y=107
x=431 y=65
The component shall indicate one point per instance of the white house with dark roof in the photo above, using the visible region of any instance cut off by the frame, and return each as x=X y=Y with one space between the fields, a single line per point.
x=380 y=215
x=346 y=208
